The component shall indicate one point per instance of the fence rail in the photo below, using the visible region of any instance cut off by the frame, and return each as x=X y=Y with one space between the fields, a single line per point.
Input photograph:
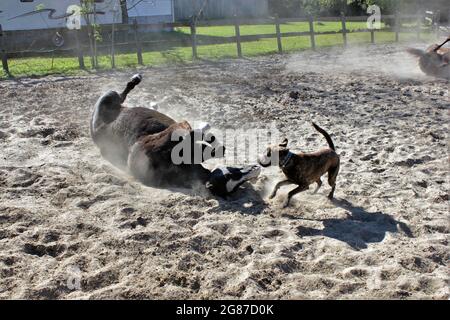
x=79 y=50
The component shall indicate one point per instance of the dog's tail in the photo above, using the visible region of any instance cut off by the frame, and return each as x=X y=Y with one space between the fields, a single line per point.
x=326 y=135
x=134 y=81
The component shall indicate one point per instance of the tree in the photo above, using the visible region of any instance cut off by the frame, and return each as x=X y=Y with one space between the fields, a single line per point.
x=89 y=13
x=287 y=8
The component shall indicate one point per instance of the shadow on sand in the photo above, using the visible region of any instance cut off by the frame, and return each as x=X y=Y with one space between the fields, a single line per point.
x=246 y=200
x=360 y=227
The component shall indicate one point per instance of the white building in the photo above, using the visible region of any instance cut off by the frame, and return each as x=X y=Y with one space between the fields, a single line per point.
x=150 y=11
x=47 y=14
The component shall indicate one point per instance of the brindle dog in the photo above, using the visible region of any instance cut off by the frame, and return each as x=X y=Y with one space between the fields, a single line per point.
x=303 y=169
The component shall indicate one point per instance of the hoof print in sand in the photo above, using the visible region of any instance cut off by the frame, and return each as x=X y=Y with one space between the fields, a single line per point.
x=42 y=250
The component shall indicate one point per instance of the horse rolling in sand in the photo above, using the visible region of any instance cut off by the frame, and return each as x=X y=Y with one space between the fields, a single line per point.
x=435 y=61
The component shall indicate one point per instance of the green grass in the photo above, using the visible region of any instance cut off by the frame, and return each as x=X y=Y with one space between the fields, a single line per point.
x=228 y=31
x=20 y=67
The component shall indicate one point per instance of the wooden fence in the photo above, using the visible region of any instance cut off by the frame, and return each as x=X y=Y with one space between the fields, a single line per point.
x=78 y=50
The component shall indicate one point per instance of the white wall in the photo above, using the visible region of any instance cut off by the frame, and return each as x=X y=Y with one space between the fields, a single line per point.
x=221 y=9
x=13 y=8
x=149 y=8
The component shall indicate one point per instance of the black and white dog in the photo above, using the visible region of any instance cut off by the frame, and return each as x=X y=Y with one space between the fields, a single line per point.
x=225 y=180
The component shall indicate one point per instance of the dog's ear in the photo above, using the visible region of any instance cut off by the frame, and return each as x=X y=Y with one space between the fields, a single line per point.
x=284 y=143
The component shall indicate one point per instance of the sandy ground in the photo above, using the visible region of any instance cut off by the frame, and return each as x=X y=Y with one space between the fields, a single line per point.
x=72 y=226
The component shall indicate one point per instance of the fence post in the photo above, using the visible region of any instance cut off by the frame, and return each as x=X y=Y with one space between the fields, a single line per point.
x=311 y=32
x=138 y=43
x=194 y=38
x=344 y=28
x=91 y=45
x=3 y=52
x=419 y=24
x=397 y=26
x=237 y=32
x=372 y=34
x=113 y=51
x=94 y=34
x=278 y=31
x=438 y=23
x=79 y=50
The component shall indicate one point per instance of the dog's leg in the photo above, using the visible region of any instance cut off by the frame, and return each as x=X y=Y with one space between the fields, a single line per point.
x=331 y=194
x=332 y=175
x=319 y=185
x=293 y=193
x=277 y=187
